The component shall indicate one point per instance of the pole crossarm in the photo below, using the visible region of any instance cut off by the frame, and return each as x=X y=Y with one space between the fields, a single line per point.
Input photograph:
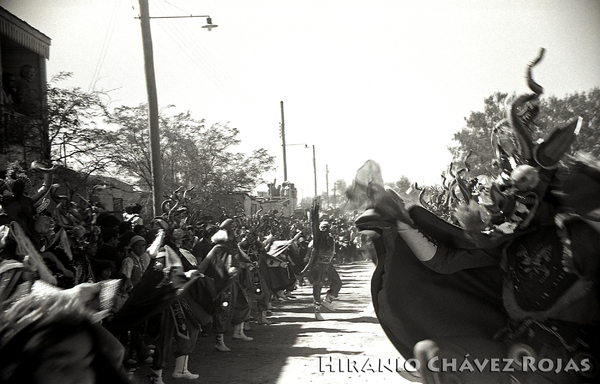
x=172 y=17
x=209 y=25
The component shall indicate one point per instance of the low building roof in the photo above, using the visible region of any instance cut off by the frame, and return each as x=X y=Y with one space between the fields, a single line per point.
x=19 y=31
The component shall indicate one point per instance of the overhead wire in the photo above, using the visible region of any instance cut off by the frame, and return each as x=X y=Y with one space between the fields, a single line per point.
x=200 y=55
x=181 y=9
x=203 y=68
x=208 y=65
x=105 y=45
x=219 y=68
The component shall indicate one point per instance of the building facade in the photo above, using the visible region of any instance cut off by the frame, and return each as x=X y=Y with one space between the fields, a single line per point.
x=23 y=54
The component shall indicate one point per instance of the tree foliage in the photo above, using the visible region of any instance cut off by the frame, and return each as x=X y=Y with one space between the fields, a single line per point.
x=339 y=198
x=557 y=111
x=84 y=134
x=74 y=137
x=554 y=112
x=192 y=155
x=476 y=136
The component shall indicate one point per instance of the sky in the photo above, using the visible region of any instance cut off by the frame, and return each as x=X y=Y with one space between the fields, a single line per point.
x=387 y=80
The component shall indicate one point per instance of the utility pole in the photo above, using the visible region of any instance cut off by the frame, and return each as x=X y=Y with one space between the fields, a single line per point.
x=334 y=196
x=315 y=169
x=327 y=183
x=157 y=175
x=283 y=144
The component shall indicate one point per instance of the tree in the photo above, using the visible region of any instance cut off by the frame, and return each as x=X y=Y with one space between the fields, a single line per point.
x=401 y=186
x=64 y=131
x=220 y=170
x=553 y=112
x=63 y=128
x=338 y=198
x=476 y=135
x=306 y=202
x=557 y=111
x=192 y=155
x=74 y=137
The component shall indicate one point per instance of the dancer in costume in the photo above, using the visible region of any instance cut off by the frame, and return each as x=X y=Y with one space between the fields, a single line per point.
x=178 y=321
x=534 y=250
x=321 y=271
x=231 y=306
x=255 y=281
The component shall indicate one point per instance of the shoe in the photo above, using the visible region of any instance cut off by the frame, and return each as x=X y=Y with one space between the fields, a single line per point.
x=328 y=302
x=281 y=296
x=148 y=360
x=220 y=344
x=263 y=318
x=289 y=295
x=242 y=337
x=185 y=375
x=318 y=316
x=155 y=377
x=238 y=333
x=181 y=369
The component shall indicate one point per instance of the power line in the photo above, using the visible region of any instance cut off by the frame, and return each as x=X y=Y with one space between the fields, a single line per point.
x=202 y=59
x=106 y=44
x=204 y=68
x=177 y=7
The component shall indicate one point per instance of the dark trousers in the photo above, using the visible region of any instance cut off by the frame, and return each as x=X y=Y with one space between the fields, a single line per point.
x=184 y=343
x=334 y=286
x=236 y=311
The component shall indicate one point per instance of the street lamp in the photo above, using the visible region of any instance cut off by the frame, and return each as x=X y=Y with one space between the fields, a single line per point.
x=209 y=25
x=154 y=132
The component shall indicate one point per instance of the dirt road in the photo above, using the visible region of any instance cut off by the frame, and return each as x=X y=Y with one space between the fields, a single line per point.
x=348 y=347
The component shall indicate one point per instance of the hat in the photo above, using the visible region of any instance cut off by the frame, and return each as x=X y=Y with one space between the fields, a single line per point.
x=162 y=223
x=136 y=239
x=227 y=224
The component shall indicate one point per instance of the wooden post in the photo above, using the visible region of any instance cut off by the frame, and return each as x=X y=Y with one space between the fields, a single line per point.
x=315 y=170
x=156 y=166
x=283 y=145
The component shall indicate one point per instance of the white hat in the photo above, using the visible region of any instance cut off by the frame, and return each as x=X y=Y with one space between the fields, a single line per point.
x=136 y=239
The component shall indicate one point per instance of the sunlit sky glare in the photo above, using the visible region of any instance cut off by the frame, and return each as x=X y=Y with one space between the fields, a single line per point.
x=386 y=80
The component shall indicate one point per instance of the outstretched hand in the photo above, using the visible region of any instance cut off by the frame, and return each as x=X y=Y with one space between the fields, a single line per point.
x=391 y=204
x=470 y=217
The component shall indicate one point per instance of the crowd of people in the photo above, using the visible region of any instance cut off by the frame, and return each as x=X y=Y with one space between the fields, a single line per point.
x=138 y=290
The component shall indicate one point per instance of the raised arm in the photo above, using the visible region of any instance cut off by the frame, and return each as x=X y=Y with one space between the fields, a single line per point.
x=443 y=259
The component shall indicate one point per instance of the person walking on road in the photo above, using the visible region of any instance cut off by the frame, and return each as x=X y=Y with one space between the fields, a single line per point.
x=321 y=271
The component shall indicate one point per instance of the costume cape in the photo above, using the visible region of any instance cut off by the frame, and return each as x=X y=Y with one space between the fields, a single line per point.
x=160 y=287
x=414 y=303
x=277 y=277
